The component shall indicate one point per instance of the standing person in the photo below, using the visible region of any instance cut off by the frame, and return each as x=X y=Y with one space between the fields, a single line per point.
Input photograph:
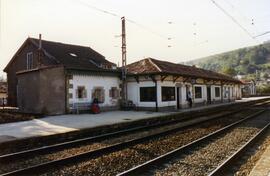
x=189 y=99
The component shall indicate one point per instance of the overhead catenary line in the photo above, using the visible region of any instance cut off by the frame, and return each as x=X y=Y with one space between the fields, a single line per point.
x=119 y=16
x=268 y=32
x=232 y=18
x=249 y=20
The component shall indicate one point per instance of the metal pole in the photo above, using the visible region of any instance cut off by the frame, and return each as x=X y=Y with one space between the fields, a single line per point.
x=124 y=61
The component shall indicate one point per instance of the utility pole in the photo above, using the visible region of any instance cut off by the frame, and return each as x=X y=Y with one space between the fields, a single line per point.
x=124 y=61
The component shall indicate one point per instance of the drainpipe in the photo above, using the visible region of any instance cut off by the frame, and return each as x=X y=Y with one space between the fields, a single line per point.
x=39 y=50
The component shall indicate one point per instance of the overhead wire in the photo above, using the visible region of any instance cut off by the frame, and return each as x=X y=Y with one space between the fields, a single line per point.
x=247 y=19
x=119 y=16
x=268 y=32
x=232 y=18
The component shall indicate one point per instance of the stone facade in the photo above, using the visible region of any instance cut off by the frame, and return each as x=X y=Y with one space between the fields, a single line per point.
x=42 y=91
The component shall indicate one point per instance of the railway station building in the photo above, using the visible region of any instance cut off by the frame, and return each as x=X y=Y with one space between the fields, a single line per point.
x=156 y=84
x=56 y=78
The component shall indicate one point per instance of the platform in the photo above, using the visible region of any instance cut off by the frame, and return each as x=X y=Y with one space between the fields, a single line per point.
x=67 y=123
x=262 y=167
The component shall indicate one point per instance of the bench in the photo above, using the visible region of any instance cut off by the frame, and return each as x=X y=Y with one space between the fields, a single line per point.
x=77 y=107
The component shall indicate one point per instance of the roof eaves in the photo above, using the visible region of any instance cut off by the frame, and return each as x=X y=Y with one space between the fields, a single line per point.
x=185 y=75
x=17 y=52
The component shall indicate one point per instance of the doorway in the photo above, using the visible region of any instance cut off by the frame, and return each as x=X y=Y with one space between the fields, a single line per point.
x=178 y=97
x=208 y=95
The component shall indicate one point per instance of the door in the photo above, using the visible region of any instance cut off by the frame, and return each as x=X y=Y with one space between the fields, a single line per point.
x=209 y=95
x=178 y=97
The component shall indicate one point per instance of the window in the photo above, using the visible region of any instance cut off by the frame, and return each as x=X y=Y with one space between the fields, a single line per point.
x=168 y=93
x=99 y=93
x=198 y=92
x=217 y=92
x=81 y=92
x=148 y=94
x=114 y=92
x=29 y=60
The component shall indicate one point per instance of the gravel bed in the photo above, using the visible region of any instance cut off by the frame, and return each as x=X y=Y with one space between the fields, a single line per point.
x=119 y=161
x=247 y=162
x=207 y=157
x=7 y=167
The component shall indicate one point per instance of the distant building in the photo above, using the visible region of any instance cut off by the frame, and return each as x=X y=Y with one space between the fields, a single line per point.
x=55 y=78
x=249 y=88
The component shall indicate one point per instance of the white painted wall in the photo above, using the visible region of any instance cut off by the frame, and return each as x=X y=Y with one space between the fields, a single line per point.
x=107 y=82
x=134 y=93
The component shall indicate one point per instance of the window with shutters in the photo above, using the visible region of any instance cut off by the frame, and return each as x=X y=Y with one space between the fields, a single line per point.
x=99 y=93
x=81 y=92
x=114 y=93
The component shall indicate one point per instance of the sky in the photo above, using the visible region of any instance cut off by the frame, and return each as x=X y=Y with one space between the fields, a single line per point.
x=171 y=30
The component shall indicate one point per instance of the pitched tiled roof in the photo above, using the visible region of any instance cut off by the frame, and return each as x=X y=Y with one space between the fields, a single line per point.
x=153 y=66
x=74 y=56
x=71 y=56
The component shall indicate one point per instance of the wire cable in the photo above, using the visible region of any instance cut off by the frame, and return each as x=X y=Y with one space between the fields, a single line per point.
x=262 y=34
x=232 y=18
x=119 y=16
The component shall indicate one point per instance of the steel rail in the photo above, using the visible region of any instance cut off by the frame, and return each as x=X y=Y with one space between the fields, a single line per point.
x=227 y=164
x=145 y=167
x=105 y=150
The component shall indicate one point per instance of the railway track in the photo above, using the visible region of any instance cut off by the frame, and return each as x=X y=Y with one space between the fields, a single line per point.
x=49 y=143
x=81 y=139
x=170 y=164
x=95 y=153
x=223 y=168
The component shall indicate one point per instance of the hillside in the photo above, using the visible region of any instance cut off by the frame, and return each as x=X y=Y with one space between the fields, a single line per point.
x=242 y=61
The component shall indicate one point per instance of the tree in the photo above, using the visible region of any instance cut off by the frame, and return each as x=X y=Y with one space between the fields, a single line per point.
x=265 y=75
x=228 y=71
x=2 y=79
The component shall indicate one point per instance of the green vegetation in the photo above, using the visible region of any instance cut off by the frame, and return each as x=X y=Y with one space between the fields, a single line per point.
x=263 y=89
x=244 y=61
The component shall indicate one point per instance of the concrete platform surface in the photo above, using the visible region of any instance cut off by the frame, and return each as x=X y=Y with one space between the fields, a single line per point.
x=66 y=123
x=262 y=167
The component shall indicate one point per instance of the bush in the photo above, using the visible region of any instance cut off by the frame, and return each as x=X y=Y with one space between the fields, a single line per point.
x=263 y=89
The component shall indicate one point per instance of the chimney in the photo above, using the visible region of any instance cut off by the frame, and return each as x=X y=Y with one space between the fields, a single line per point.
x=39 y=51
x=40 y=43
